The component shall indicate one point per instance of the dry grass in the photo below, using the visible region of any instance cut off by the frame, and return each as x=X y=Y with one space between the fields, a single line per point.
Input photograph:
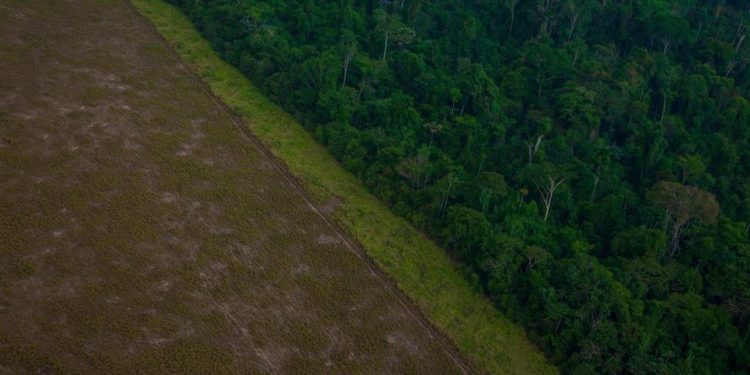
x=419 y=267
x=140 y=232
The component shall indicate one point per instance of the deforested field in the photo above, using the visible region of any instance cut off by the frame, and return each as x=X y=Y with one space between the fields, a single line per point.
x=142 y=231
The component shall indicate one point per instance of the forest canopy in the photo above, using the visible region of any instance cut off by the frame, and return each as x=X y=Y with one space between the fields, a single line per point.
x=586 y=162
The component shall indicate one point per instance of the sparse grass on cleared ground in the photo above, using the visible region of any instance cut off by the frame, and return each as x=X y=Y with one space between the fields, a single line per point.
x=140 y=232
x=419 y=268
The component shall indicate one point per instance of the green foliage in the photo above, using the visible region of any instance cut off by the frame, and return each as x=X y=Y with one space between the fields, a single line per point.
x=619 y=131
x=639 y=242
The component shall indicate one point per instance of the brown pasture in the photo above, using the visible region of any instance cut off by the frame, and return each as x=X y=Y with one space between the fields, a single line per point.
x=141 y=231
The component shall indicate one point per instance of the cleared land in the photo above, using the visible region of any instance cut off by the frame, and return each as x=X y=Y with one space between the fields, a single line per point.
x=418 y=266
x=142 y=231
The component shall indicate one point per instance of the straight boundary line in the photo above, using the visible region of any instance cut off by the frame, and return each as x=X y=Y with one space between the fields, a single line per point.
x=445 y=342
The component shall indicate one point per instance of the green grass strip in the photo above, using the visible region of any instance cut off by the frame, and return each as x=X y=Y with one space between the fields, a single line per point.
x=419 y=268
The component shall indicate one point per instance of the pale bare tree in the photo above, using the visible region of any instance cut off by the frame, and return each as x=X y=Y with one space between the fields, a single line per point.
x=533 y=147
x=511 y=4
x=548 y=180
x=350 y=51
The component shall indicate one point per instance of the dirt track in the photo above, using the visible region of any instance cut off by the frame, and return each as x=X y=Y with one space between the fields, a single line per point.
x=141 y=231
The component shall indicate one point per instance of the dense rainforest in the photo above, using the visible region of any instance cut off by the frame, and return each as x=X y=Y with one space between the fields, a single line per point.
x=586 y=162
